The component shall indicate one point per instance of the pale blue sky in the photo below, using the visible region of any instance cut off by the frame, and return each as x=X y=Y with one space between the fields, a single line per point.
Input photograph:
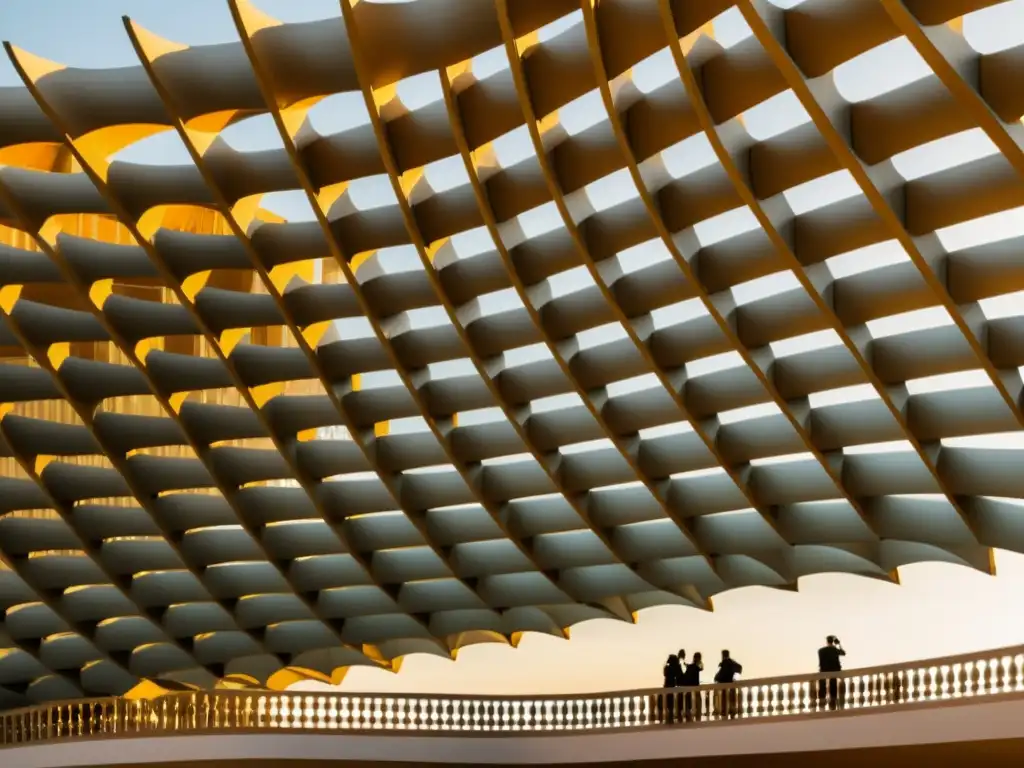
x=89 y=33
x=773 y=632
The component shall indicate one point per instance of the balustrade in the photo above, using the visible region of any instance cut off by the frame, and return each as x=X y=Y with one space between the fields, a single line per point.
x=990 y=673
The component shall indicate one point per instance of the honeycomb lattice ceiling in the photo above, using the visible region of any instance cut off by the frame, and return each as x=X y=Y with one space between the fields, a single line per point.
x=642 y=312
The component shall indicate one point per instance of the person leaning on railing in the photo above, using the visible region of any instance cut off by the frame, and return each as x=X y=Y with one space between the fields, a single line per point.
x=728 y=669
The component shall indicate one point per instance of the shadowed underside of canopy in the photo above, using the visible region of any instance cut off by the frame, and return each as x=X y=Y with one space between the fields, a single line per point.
x=240 y=450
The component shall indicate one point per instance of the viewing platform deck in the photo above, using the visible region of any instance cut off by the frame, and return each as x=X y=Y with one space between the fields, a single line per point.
x=967 y=702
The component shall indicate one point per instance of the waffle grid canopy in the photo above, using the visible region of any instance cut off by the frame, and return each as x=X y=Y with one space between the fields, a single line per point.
x=534 y=386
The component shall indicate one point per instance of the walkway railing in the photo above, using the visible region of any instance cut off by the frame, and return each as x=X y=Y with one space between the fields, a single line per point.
x=988 y=673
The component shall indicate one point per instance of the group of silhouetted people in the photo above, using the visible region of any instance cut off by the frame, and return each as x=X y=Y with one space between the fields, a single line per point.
x=682 y=676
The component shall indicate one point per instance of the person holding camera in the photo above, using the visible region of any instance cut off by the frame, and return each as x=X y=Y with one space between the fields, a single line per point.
x=691 y=680
x=829 y=660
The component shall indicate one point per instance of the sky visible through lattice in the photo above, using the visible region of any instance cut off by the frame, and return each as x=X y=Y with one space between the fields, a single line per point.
x=773 y=630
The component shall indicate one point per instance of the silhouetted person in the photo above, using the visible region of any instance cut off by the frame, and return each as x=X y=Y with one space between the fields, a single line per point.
x=691 y=671
x=691 y=679
x=728 y=668
x=829 y=660
x=679 y=682
x=673 y=672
